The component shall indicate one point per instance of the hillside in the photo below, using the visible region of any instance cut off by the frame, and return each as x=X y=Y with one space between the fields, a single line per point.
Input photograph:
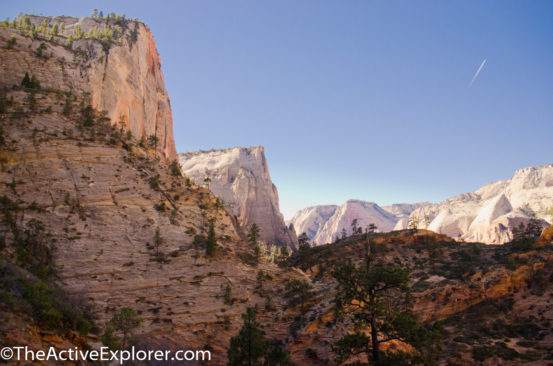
x=96 y=216
x=323 y=224
x=240 y=178
x=493 y=303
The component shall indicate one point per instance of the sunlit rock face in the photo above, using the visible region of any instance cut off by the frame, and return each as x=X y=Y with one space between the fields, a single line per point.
x=489 y=214
x=240 y=178
x=312 y=219
x=125 y=80
x=323 y=223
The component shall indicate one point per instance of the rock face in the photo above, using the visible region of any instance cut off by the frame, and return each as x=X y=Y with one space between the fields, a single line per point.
x=240 y=179
x=323 y=223
x=124 y=80
x=489 y=214
x=123 y=228
x=312 y=219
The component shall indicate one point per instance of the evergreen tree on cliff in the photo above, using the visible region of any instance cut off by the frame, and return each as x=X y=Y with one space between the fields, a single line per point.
x=211 y=243
x=248 y=347
x=375 y=297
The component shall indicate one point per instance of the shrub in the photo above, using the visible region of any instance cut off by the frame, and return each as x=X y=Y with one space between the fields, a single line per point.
x=211 y=242
x=154 y=182
x=88 y=116
x=30 y=82
x=228 y=295
x=153 y=140
x=67 y=108
x=125 y=321
x=175 y=169
x=110 y=340
x=12 y=41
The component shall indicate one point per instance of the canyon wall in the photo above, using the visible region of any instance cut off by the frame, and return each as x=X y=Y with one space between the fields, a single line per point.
x=122 y=77
x=240 y=178
x=323 y=224
x=489 y=214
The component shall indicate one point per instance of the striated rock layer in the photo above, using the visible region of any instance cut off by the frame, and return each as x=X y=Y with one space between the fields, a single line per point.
x=240 y=178
x=125 y=230
x=125 y=80
x=489 y=214
x=323 y=224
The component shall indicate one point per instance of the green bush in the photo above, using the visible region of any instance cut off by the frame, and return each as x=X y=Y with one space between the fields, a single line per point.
x=175 y=169
x=110 y=340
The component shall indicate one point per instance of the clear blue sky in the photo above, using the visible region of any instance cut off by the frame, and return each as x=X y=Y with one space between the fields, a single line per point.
x=356 y=99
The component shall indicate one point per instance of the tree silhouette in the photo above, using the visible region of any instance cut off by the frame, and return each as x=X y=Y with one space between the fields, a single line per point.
x=375 y=297
x=297 y=292
x=248 y=347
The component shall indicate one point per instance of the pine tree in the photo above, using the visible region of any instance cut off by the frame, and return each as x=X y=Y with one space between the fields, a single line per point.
x=54 y=30
x=283 y=253
x=253 y=234
x=26 y=80
x=248 y=347
x=211 y=243
x=413 y=224
x=277 y=356
x=297 y=292
x=158 y=240
x=125 y=321
x=371 y=228
x=175 y=169
x=376 y=299
x=303 y=239
x=110 y=340
x=354 y=226
x=525 y=236
x=253 y=238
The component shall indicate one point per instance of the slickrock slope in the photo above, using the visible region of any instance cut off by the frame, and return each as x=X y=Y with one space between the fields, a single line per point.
x=103 y=210
x=312 y=219
x=240 y=179
x=122 y=76
x=494 y=302
x=490 y=214
x=323 y=223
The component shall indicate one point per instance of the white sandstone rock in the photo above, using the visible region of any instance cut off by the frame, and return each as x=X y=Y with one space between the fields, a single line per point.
x=489 y=214
x=240 y=179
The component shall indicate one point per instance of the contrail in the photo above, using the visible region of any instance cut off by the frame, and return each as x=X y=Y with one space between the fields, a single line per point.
x=477 y=72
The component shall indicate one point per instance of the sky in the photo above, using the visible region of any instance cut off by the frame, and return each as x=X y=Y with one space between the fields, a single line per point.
x=384 y=101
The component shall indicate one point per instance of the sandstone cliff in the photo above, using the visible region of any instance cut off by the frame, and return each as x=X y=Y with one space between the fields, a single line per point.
x=323 y=223
x=489 y=214
x=120 y=75
x=121 y=228
x=96 y=197
x=240 y=178
x=312 y=219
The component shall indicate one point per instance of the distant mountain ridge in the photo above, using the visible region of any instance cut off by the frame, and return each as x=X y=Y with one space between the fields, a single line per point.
x=489 y=214
x=323 y=223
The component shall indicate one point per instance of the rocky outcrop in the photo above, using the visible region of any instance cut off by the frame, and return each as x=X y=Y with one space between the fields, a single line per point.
x=121 y=77
x=489 y=214
x=240 y=178
x=323 y=223
x=125 y=230
x=312 y=219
